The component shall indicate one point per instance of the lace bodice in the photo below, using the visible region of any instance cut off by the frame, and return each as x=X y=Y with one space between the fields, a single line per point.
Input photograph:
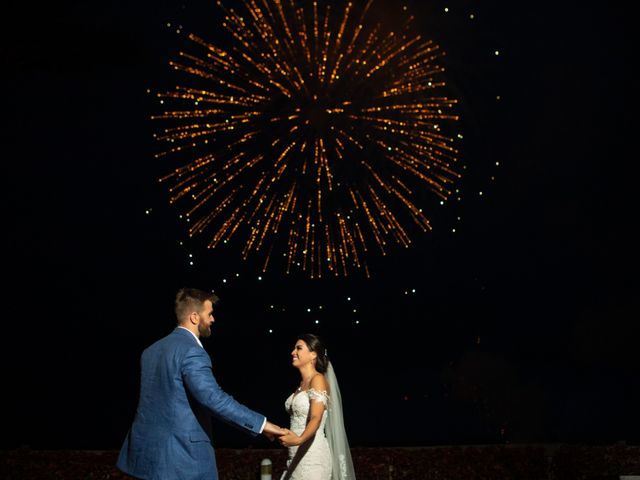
x=312 y=460
x=298 y=405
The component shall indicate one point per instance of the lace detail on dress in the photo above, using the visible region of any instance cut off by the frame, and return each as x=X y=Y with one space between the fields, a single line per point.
x=319 y=396
x=312 y=459
x=343 y=466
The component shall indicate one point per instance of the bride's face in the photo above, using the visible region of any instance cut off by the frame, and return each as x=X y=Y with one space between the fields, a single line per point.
x=301 y=354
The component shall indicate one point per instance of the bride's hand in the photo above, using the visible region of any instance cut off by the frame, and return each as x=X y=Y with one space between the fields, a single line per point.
x=271 y=431
x=290 y=439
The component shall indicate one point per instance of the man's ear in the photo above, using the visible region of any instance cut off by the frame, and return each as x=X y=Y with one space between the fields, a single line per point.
x=194 y=318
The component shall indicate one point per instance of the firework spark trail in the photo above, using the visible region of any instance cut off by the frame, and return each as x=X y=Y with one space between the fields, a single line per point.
x=310 y=135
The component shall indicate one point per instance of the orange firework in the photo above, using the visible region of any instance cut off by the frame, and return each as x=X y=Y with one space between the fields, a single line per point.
x=310 y=136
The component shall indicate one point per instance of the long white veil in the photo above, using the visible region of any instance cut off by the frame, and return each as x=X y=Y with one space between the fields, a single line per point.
x=342 y=464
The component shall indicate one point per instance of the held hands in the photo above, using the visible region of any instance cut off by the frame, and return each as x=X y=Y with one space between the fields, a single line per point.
x=285 y=436
x=289 y=439
x=271 y=431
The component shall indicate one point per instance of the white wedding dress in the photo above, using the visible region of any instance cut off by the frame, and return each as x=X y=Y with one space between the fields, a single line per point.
x=311 y=460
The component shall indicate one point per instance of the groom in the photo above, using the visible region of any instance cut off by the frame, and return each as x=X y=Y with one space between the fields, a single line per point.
x=171 y=434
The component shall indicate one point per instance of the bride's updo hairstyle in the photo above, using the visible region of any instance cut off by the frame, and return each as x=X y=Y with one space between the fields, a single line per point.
x=315 y=344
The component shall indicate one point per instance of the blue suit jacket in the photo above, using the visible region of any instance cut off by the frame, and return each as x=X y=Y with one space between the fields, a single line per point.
x=171 y=434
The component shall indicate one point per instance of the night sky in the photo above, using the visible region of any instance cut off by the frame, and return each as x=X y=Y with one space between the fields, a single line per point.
x=519 y=326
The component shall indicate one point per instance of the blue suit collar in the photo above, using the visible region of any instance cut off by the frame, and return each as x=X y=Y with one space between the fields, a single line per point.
x=186 y=333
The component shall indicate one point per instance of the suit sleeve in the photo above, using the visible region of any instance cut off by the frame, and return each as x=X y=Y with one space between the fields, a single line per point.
x=200 y=382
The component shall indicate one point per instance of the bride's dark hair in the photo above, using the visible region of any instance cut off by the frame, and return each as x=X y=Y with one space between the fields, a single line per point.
x=315 y=344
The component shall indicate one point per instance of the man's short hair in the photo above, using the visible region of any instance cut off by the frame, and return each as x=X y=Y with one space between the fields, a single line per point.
x=191 y=300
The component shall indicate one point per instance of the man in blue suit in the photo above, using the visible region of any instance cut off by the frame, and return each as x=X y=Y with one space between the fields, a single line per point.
x=170 y=438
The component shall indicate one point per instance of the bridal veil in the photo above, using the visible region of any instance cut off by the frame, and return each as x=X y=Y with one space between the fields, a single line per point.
x=342 y=464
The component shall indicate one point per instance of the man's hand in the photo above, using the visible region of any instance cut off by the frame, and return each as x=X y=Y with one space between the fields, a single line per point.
x=271 y=431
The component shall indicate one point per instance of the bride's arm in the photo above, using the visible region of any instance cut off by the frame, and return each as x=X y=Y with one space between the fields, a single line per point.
x=316 y=409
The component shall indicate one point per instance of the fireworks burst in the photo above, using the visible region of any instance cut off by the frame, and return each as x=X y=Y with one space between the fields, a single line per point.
x=311 y=136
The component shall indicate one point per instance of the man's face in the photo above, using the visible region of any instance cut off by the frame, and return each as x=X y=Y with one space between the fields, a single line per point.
x=206 y=319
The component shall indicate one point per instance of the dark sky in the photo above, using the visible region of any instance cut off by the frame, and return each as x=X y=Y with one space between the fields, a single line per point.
x=523 y=326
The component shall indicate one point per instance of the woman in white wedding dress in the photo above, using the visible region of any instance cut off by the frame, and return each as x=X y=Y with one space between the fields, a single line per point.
x=317 y=442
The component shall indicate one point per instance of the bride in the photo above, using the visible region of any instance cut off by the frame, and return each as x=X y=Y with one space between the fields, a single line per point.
x=317 y=442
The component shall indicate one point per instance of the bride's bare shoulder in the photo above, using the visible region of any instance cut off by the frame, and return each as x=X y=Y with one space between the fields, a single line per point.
x=319 y=383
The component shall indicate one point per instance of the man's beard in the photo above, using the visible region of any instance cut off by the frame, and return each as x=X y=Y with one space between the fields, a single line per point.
x=205 y=332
